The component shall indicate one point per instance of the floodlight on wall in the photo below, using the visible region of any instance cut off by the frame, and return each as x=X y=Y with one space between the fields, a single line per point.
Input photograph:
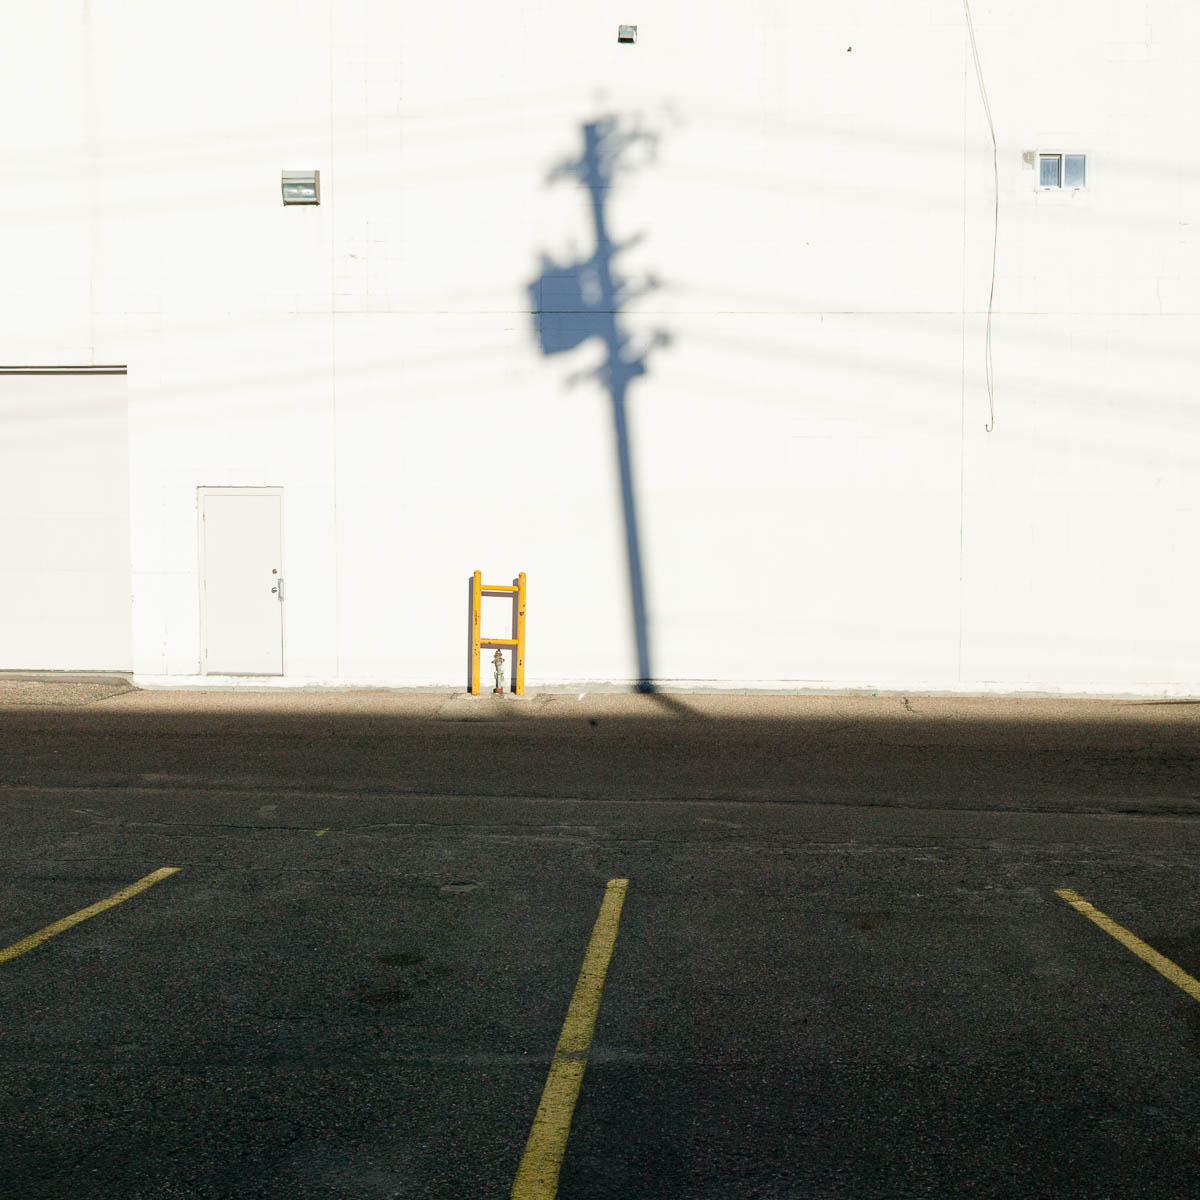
x=301 y=187
x=626 y=33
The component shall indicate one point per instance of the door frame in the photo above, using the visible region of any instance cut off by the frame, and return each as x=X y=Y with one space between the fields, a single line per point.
x=203 y=490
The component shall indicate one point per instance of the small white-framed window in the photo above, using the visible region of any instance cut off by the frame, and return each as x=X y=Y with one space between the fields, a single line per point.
x=1060 y=170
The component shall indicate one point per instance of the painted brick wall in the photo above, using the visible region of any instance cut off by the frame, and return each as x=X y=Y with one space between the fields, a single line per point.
x=798 y=201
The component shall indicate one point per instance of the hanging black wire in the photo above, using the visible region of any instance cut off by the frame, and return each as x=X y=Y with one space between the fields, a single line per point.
x=987 y=108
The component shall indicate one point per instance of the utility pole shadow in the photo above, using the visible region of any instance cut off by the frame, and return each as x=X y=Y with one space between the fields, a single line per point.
x=575 y=301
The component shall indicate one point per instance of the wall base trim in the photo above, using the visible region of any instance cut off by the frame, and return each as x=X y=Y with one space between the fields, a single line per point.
x=796 y=687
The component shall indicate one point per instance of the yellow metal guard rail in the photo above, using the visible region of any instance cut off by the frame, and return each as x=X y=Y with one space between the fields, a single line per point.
x=478 y=587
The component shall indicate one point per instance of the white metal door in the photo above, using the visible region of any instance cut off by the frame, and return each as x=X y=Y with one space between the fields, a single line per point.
x=241 y=581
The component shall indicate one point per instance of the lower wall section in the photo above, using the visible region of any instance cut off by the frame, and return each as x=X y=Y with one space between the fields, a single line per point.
x=64 y=522
x=829 y=518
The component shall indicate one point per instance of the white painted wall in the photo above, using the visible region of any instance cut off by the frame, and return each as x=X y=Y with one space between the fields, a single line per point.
x=64 y=523
x=820 y=503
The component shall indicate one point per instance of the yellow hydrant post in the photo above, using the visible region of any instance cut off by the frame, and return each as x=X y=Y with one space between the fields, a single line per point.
x=476 y=589
x=519 y=651
x=517 y=641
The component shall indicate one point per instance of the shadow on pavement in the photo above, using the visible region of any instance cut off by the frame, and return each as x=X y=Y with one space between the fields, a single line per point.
x=999 y=755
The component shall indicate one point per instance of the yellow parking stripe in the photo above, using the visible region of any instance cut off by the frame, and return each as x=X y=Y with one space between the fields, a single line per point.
x=537 y=1176
x=43 y=935
x=1164 y=966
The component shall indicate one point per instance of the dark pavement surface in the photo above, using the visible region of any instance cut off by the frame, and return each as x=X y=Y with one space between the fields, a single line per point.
x=842 y=970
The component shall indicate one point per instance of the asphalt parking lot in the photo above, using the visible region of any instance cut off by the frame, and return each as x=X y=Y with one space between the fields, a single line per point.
x=839 y=963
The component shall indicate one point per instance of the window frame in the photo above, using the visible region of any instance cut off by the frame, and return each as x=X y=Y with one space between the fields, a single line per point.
x=1061 y=185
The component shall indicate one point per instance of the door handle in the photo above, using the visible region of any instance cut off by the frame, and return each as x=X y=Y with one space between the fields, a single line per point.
x=279 y=589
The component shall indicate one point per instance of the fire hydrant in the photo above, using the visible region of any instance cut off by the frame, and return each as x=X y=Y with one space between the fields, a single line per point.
x=498 y=668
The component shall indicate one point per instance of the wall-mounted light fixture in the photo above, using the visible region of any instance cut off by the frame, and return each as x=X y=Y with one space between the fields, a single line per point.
x=301 y=187
x=626 y=33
